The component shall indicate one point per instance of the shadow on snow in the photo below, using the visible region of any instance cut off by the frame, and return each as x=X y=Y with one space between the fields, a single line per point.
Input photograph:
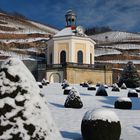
x=57 y=105
x=138 y=128
x=110 y=100
x=71 y=135
x=85 y=94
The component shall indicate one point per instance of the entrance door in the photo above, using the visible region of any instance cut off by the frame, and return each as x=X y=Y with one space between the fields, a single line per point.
x=55 y=78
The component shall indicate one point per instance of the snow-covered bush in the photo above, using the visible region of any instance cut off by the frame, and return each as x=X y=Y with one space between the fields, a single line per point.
x=115 y=87
x=123 y=103
x=101 y=91
x=40 y=84
x=98 y=84
x=91 y=87
x=100 y=124
x=67 y=90
x=64 y=84
x=73 y=100
x=106 y=86
x=123 y=86
x=85 y=84
x=24 y=114
x=138 y=89
x=81 y=84
x=44 y=82
x=132 y=93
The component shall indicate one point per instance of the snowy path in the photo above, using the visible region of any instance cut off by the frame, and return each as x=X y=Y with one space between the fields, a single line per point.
x=69 y=120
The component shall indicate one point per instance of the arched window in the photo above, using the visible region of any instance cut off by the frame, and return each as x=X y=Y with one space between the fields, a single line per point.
x=80 y=57
x=62 y=57
x=90 y=58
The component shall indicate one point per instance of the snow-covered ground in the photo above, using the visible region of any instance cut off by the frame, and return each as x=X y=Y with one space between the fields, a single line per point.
x=14 y=54
x=45 y=27
x=123 y=46
x=28 y=40
x=116 y=36
x=119 y=61
x=105 y=51
x=24 y=26
x=69 y=120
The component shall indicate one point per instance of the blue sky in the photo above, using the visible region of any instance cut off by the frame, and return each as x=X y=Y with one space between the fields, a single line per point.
x=118 y=14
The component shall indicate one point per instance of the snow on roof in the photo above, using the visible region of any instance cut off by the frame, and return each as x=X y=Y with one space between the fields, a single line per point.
x=28 y=115
x=101 y=114
x=65 y=32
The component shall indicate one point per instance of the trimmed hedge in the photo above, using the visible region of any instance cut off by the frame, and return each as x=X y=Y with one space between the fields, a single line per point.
x=101 y=91
x=94 y=127
x=73 y=100
x=123 y=104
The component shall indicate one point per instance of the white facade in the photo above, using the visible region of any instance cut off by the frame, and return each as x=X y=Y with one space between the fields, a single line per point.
x=71 y=44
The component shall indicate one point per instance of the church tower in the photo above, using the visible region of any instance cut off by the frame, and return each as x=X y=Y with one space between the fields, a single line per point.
x=70 y=18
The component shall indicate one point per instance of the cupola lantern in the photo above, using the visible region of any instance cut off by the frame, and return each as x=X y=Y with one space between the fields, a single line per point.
x=70 y=18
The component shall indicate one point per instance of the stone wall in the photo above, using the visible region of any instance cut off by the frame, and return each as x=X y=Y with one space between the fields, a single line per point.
x=75 y=75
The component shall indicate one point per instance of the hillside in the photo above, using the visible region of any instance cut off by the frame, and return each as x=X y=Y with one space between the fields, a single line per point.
x=10 y=24
x=116 y=36
x=117 y=47
x=19 y=36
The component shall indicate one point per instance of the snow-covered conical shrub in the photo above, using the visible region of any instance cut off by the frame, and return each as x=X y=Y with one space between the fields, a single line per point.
x=65 y=84
x=123 y=103
x=132 y=93
x=73 y=100
x=101 y=91
x=123 y=86
x=115 y=87
x=100 y=124
x=67 y=90
x=24 y=114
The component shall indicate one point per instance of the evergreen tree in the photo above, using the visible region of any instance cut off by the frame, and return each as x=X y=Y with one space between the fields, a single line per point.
x=130 y=76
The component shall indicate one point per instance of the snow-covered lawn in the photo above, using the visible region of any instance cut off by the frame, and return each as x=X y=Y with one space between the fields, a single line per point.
x=69 y=120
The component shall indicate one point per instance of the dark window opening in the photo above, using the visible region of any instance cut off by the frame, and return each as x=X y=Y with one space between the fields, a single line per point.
x=80 y=57
x=63 y=57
